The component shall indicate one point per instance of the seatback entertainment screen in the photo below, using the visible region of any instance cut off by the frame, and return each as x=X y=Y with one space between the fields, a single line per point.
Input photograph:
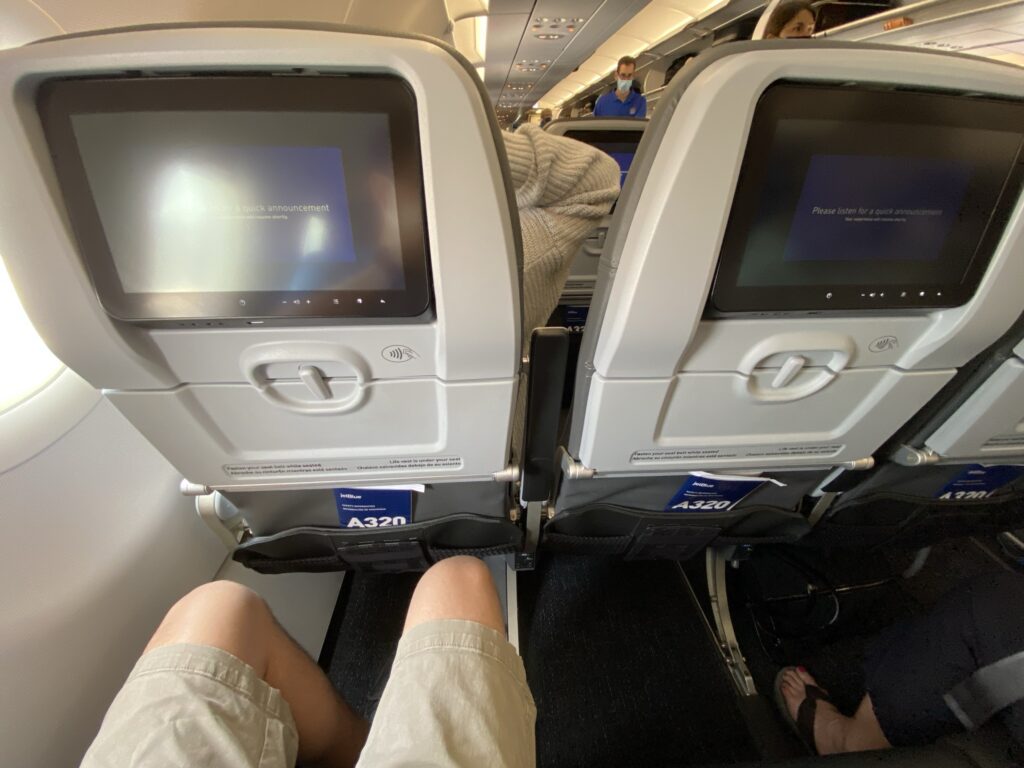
x=620 y=145
x=244 y=197
x=857 y=199
x=622 y=154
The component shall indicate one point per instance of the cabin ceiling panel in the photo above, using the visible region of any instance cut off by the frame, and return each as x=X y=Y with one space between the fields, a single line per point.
x=553 y=39
x=429 y=17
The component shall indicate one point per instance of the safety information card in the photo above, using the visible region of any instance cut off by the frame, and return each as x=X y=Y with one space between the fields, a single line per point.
x=706 y=492
x=377 y=507
x=978 y=481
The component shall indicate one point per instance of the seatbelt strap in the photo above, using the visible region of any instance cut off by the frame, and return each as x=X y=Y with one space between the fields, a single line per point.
x=987 y=691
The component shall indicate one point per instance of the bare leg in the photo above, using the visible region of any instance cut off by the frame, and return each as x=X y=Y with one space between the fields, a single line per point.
x=233 y=618
x=457 y=694
x=833 y=731
x=456 y=588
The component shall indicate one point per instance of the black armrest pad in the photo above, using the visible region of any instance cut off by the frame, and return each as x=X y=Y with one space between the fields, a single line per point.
x=549 y=355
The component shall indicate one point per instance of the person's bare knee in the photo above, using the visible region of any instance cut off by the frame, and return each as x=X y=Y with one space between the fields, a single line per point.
x=224 y=615
x=235 y=619
x=456 y=588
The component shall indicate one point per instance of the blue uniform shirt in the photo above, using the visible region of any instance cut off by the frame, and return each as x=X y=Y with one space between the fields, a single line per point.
x=609 y=105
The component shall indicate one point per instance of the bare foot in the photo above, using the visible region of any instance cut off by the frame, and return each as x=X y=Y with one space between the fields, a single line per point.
x=826 y=717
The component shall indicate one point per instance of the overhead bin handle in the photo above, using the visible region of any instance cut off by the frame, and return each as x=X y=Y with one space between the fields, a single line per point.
x=257 y=359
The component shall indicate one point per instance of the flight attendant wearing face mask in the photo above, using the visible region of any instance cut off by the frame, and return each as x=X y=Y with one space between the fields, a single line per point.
x=625 y=100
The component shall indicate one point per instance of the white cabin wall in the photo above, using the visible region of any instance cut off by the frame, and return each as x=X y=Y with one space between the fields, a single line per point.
x=96 y=544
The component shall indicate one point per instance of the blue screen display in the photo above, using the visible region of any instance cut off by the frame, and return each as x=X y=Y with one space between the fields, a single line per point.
x=296 y=194
x=279 y=211
x=187 y=207
x=624 y=159
x=862 y=208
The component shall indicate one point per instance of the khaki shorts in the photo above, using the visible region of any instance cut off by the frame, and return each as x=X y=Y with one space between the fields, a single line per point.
x=457 y=696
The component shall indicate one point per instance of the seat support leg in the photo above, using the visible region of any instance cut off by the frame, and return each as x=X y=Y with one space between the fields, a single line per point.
x=512 y=605
x=527 y=559
x=919 y=560
x=725 y=632
x=504 y=575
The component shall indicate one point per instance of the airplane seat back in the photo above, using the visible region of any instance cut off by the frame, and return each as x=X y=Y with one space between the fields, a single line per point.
x=787 y=280
x=260 y=243
x=618 y=137
x=989 y=421
x=955 y=470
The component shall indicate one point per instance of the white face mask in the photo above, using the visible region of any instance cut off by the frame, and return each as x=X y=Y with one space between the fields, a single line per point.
x=624 y=85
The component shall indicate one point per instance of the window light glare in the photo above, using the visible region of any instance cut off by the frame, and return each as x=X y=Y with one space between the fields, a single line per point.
x=26 y=365
x=481 y=36
x=470 y=38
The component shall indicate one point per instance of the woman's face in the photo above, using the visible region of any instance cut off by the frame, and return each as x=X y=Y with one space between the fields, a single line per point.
x=801 y=25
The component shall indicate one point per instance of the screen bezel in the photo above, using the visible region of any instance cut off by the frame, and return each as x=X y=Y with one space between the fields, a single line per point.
x=858 y=104
x=606 y=136
x=59 y=100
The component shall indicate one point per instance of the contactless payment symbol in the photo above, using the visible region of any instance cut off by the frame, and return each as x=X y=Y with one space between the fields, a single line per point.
x=398 y=353
x=884 y=343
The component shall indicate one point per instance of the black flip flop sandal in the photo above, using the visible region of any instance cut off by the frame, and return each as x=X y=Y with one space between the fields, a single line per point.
x=803 y=725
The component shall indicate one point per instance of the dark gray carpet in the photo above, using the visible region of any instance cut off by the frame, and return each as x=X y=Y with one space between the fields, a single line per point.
x=622 y=668
x=363 y=636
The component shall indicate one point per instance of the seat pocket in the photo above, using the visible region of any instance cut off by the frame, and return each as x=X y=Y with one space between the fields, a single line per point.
x=638 y=534
x=894 y=519
x=412 y=547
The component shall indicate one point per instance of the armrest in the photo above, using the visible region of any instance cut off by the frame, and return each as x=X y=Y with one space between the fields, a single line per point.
x=549 y=355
